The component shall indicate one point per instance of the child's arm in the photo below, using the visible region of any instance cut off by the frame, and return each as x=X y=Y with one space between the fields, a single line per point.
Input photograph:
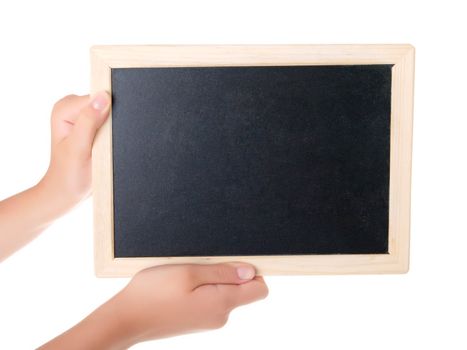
x=158 y=302
x=165 y=301
x=75 y=121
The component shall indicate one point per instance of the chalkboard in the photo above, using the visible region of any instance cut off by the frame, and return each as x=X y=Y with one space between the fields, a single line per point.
x=264 y=163
x=251 y=160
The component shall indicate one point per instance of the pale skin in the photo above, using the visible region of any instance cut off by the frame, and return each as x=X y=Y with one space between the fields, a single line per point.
x=158 y=302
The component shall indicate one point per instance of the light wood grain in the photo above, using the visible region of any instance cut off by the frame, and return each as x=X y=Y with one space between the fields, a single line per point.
x=103 y=58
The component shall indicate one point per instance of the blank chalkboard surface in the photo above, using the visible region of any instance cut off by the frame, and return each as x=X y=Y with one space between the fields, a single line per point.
x=251 y=160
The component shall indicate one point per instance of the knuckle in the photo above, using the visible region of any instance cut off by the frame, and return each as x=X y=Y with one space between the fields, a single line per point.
x=264 y=291
x=224 y=303
x=222 y=321
x=57 y=107
x=141 y=273
x=219 y=320
x=147 y=271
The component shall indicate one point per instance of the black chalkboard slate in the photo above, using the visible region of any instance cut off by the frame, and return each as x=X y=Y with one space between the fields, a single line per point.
x=228 y=161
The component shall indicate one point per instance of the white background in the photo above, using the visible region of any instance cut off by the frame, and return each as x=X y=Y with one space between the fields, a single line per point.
x=49 y=286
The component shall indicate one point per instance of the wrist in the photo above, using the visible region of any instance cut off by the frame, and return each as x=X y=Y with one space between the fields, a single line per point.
x=58 y=202
x=120 y=331
x=125 y=326
x=25 y=215
x=104 y=329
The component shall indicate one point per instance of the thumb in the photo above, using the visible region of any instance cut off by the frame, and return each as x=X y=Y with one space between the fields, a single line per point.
x=90 y=119
x=227 y=273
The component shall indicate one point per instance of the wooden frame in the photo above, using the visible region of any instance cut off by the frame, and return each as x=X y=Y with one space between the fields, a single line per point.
x=401 y=56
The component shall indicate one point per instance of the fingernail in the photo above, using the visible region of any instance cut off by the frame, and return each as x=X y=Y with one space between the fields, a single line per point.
x=245 y=272
x=100 y=101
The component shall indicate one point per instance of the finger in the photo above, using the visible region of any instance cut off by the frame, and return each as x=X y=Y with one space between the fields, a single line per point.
x=246 y=293
x=227 y=273
x=64 y=115
x=89 y=120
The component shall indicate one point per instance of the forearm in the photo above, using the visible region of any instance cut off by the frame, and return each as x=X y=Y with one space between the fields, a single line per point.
x=101 y=330
x=26 y=214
